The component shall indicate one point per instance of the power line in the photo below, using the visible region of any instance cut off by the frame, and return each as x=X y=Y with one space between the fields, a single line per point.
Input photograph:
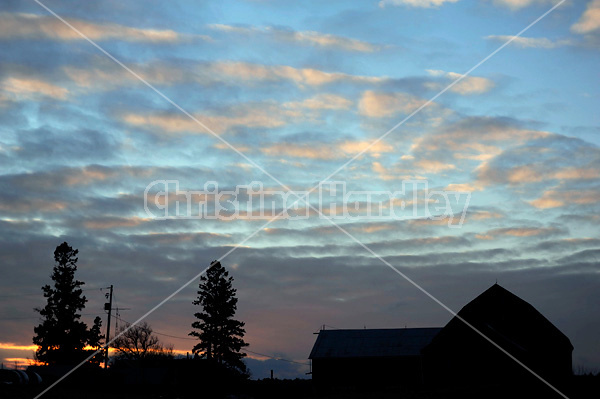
x=37 y=317
x=41 y=293
x=154 y=332
x=20 y=318
x=173 y=336
x=245 y=350
x=277 y=358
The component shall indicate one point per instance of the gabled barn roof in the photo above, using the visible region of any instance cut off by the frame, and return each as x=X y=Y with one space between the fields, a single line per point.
x=389 y=342
x=505 y=318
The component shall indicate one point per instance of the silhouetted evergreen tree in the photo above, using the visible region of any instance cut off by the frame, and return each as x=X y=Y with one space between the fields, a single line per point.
x=220 y=335
x=62 y=336
x=95 y=338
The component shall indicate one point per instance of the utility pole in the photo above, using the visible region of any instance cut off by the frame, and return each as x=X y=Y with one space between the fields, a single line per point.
x=108 y=306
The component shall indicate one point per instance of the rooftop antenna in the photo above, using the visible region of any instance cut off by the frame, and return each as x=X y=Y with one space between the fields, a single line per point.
x=118 y=317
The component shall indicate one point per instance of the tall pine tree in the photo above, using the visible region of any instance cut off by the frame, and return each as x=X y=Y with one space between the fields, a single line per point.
x=62 y=336
x=220 y=335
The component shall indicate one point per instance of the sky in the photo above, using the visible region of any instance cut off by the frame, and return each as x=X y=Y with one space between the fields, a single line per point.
x=275 y=93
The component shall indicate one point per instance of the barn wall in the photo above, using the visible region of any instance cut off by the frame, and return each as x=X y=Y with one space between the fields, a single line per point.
x=368 y=371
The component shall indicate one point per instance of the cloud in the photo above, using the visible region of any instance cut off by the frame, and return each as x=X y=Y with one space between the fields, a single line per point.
x=487 y=130
x=393 y=173
x=462 y=187
x=415 y=3
x=526 y=232
x=530 y=42
x=30 y=88
x=433 y=166
x=321 y=102
x=480 y=139
x=305 y=76
x=467 y=86
x=378 y=105
x=354 y=147
x=87 y=175
x=102 y=75
x=518 y=4
x=32 y=26
x=31 y=206
x=483 y=215
x=111 y=223
x=549 y=159
x=306 y=37
x=590 y=19
x=318 y=151
x=325 y=151
x=559 y=198
x=533 y=173
x=267 y=115
x=45 y=146
x=566 y=244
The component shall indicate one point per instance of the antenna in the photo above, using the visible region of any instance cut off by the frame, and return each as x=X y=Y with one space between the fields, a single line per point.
x=118 y=317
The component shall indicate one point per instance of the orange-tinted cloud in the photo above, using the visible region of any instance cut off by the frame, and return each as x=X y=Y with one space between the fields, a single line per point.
x=33 y=26
x=590 y=20
x=523 y=232
x=25 y=88
x=327 y=151
x=108 y=223
x=557 y=198
x=378 y=105
x=253 y=116
x=467 y=86
x=305 y=37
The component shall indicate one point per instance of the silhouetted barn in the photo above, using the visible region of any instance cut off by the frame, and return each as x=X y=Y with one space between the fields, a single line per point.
x=459 y=355
x=451 y=356
x=354 y=357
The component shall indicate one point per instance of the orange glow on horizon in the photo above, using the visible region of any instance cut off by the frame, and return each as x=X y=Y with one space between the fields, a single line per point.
x=21 y=362
x=112 y=351
x=12 y=346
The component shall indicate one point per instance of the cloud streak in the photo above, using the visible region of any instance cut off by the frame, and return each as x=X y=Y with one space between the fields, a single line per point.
x=33 y=26
x=467 y=86
x=305 y=37
x=590 y=20
x=530 y=42
x=415 y=3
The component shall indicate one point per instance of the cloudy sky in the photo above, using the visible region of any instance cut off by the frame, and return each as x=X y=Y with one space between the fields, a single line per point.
x=299 y=88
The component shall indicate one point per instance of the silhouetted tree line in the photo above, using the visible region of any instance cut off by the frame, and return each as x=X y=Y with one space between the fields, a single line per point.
x=63 y=339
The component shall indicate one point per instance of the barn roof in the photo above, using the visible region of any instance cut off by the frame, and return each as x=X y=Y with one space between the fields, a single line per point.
x=505 y=318
x=389 y=342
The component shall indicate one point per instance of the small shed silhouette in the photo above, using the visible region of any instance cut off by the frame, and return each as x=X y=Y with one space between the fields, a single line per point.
x=353 y=357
